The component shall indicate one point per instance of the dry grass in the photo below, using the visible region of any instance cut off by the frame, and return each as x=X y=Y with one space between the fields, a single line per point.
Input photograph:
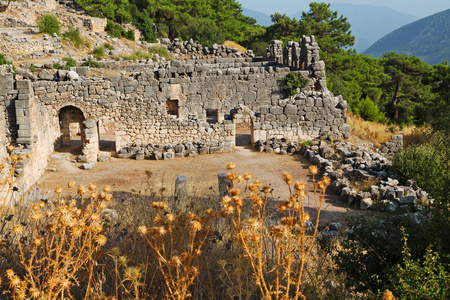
x=378 y=133
x=232 y=44
x=68 y=248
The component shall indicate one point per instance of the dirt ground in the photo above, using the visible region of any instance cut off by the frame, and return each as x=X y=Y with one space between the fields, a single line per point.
x=132 y=175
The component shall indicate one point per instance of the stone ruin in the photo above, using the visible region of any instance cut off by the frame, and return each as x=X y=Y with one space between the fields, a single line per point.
x=166 y=109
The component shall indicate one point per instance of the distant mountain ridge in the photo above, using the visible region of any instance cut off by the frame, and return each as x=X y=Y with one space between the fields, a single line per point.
x=369 y=22
x=261 y=18
x=427 y=38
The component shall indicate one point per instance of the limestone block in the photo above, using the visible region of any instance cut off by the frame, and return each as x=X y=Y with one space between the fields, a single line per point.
x=181 y=186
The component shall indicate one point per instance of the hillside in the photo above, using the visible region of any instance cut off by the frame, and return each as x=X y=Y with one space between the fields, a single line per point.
x=427 y=38
x=261 y=18
x=369 y=22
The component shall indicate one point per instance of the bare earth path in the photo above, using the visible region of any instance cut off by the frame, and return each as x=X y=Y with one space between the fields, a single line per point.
x=201 y=171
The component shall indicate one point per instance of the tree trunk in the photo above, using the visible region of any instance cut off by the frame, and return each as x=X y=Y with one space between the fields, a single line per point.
x=171 y=32
x=396 y=100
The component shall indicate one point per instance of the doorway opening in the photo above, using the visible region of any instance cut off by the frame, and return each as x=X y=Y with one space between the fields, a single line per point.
x=72 y=136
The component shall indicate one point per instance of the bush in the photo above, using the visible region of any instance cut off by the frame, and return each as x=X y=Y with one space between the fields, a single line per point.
x=108 y=46
x=98 y=52
x=424 y=278
x=115 y=30
x=161 y=51
x=92 y=64
x=74 y=35
x=49 y=24
x=137 y=55
x=205 y=32
x=428 y=165
x=70 y=62
x=3 y=60
x=372 y=246
x=370 y=111
x=259 y=48
x=292 y=82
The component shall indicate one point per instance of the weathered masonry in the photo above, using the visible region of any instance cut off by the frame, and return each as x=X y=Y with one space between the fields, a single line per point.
x=178 y=102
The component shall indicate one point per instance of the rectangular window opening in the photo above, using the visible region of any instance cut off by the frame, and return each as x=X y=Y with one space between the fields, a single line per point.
x=212 y=116
x=172 y=107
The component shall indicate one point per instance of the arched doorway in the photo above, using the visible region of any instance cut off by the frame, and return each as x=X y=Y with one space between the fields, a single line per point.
x=71 y=121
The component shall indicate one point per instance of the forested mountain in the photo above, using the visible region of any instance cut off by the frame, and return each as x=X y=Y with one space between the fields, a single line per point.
x=261 y=18
x=427 y=38
x=369 y=22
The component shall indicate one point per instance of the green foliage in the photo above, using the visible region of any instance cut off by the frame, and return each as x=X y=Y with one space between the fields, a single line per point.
x=115 y=30
x=49 y=24
x=332 y=32
x=91 y=63
x=429 y=166
x=161 y=51
x=117 y=10
x=205 y=32
x=283 y=28
x=369 y=111
x=3 y=60
x=98 y=52
x=372 y=246
x=259 y=48
x=108 y=46
x=425 y=278
x=74 y=35
x=70 y=62
x=292 y=82
x=137 y=55
x=404 y=91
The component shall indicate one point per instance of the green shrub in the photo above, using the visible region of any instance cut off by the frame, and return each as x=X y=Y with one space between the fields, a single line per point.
x=161 y=51
x=137 y=55
x=424 y=278
x=70 y=62
x=92 y=64
x=291 y=82
x=74 y=35
x=369 y=111
x=32 y=68
x=372 y=246
x=108 y=46
x=49 y=24
x=428 y=165
x=259 y=48
x=115 y=30
x=98 y=52
x=205 y=32
x=4 y=61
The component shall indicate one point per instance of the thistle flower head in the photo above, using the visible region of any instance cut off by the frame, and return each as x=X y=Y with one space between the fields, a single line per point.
x=170 y=218
x=142 y=230
x=247 y=176
x=195 y=225
x=10 y=148
x=107 y=188
x=313 y=170
x=58 y=190
x=101 y=239
x=231 y=166
x=175 y=261
x=287 y=178
x=92 y=187
x=300 y=186
x=71 y=184
x=17 y=229
x=266 y=189
x=210 y=213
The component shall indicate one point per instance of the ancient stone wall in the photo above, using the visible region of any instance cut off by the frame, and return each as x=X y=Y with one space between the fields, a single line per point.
x=180 y=107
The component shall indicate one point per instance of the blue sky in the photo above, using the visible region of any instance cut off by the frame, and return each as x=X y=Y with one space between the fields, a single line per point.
x=418 y=8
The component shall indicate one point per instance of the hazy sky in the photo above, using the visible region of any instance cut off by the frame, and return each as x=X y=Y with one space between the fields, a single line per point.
x=418 y=8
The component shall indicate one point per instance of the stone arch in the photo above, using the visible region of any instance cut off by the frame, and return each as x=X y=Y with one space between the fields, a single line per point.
x=73 y=122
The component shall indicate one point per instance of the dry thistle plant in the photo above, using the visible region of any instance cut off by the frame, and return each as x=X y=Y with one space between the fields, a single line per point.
x=177 y=257
x=64 y=239
x=8 y=176
x=293 y=237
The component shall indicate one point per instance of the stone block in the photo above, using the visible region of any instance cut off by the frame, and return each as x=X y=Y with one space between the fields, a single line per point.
x=168 y=155
x=181 y=186
x=224 y=184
